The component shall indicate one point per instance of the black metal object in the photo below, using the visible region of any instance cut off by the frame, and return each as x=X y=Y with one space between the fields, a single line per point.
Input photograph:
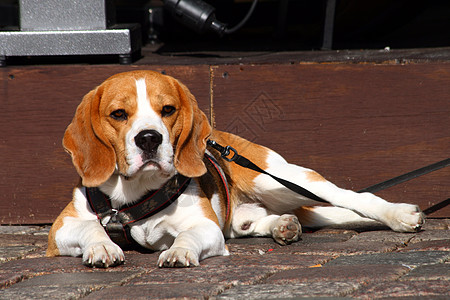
x=328 y=26
x=195 y=14
x=199 y=16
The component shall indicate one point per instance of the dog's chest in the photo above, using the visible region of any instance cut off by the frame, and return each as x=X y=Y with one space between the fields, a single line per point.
x=159 y=231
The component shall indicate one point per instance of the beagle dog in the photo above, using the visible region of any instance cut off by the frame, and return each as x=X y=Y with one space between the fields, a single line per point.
x=138 y=131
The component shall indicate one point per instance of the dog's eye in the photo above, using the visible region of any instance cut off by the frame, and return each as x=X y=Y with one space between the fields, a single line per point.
x=119 y=115
x=167 y=110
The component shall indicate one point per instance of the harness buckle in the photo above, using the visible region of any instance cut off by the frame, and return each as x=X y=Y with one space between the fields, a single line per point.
x=109 y=216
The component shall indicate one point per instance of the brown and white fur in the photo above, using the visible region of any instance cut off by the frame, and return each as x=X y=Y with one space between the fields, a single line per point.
x=101 y=141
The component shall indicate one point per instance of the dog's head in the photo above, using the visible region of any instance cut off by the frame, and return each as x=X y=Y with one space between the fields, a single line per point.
x=137 y=122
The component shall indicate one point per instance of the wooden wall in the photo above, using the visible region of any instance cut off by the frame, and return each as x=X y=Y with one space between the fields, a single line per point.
x=357 y=124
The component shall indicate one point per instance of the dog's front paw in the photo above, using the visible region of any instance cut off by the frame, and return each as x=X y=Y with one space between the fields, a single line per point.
x=286 y=230
x=103 y=255
x=404 y=217
x=178 y=257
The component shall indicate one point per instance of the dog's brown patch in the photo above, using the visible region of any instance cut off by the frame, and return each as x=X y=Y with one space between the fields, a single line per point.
x=305 y=214
x=69 y=211
x=314 y=176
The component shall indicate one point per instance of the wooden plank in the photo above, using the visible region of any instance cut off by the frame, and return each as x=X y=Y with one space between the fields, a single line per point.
x=38 y=103
x=356 y=124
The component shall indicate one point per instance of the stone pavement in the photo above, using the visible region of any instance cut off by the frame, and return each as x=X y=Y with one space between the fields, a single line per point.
x=325 y=264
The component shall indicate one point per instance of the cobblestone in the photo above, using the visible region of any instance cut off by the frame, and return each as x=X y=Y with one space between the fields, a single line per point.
x=328 y=264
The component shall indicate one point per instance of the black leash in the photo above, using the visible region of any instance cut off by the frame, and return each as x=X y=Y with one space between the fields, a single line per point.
x=437 y=207
x=405 y=177
x=411 y=175
x=244 y=162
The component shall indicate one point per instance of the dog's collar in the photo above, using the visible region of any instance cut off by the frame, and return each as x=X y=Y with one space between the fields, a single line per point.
x=116 y=220
x=209 y=157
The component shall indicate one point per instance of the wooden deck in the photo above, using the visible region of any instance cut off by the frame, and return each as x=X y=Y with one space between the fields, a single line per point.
x=357 y=117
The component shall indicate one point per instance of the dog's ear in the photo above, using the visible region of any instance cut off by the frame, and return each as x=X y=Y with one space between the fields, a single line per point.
x=92 y=154
x=195 y=131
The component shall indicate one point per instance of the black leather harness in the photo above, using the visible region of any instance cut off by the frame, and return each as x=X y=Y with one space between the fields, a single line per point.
x=117 y=221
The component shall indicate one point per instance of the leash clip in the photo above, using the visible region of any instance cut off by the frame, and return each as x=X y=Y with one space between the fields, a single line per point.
x=224 y=151
x=225 y=155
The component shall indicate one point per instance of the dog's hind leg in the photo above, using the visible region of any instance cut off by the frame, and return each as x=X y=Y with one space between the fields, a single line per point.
x=331 y=216
x=255 y=220
x=277 y=198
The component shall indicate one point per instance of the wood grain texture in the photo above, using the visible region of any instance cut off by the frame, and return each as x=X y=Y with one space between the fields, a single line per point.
x=355 y=124
x=38 y=103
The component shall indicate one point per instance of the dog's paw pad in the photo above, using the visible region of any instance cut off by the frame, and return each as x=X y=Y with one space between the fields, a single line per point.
x=178 y=257
x=103 y=255
x=286 y=230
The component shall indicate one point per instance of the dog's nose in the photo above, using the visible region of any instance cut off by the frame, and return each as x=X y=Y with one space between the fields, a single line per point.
x=148 y=140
